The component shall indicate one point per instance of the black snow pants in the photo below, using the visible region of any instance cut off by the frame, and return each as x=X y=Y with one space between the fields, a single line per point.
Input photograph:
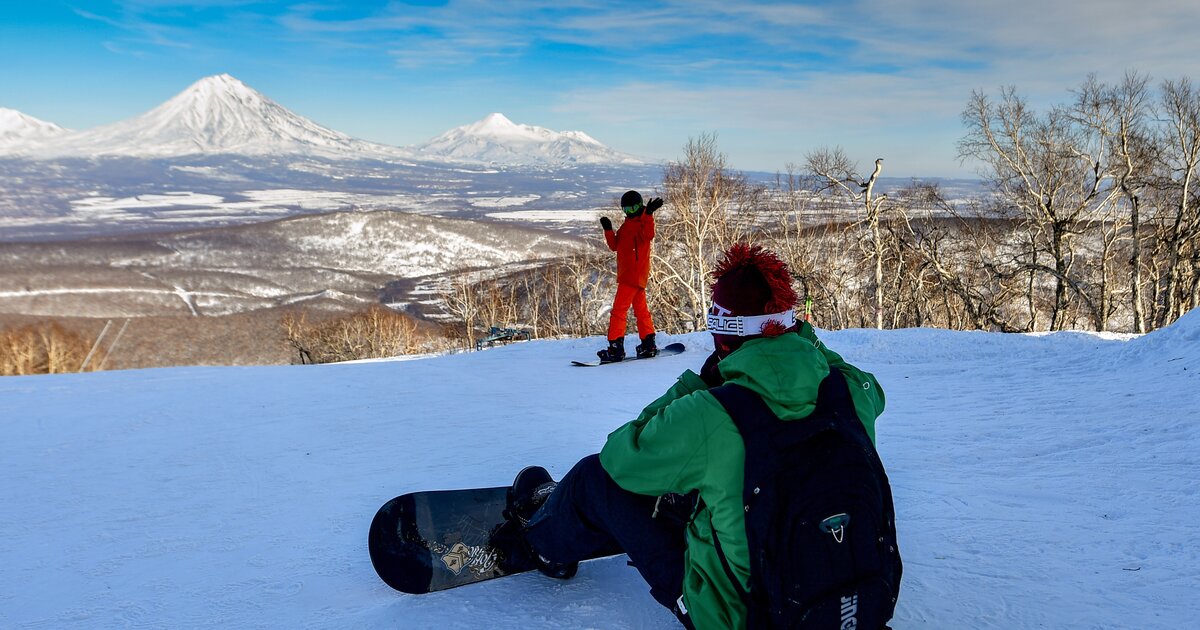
x=589 y=515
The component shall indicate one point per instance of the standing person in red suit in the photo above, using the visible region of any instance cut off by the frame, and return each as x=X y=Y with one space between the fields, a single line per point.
x=632 y=244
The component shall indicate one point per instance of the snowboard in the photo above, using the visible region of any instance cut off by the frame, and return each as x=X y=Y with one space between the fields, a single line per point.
x=665 y=351
x=434 y=540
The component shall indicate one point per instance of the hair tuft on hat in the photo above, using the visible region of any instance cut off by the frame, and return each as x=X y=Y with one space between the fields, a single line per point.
x=751 y=280
x=752 y=297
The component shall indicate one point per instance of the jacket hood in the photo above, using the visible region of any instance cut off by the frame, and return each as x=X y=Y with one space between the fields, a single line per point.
x=785 y=371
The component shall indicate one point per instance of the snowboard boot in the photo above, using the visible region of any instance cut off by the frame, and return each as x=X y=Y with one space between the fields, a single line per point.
x=528 y=493
x=647 y=349
x=614 y=352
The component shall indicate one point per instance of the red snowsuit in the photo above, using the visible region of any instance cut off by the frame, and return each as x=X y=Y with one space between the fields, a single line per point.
x=632 y=244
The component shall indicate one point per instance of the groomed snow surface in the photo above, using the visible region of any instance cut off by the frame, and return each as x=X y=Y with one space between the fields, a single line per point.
x=1040 y=482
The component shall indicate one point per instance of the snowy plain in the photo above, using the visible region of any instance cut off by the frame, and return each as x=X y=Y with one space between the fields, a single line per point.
x=1041 y=481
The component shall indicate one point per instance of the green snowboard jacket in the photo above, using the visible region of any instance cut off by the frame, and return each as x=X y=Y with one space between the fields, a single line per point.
x=686 y=441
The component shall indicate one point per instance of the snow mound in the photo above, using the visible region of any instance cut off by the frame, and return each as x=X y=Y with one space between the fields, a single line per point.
x=1176 y=345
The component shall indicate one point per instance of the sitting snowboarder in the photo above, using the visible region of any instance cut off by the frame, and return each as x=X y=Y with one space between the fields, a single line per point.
x=667 y=488
x=632 y=244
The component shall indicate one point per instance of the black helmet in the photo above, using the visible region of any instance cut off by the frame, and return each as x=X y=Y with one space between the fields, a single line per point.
x=631 y=203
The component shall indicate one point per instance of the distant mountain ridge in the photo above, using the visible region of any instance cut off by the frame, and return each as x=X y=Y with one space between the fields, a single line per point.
x=497 y=139
x=18 y=130
x=222 y=115
x=217 y=114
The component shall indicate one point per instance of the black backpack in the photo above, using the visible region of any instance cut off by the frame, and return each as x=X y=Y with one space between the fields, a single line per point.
x=819 y=516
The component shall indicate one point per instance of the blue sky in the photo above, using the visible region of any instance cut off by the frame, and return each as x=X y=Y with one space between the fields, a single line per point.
x=773 y=80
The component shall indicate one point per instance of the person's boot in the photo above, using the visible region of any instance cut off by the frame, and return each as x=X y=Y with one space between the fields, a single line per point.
x=647 y=348
x=528 y=493
x=614 y=352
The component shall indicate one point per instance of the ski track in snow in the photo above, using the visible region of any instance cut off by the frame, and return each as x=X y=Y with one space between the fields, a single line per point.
x=1040 y=481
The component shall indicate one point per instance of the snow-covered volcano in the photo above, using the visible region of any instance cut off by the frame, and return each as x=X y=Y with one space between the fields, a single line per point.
x=215 y=115
x=19 y=131
x=220 y=115
x=497 y=139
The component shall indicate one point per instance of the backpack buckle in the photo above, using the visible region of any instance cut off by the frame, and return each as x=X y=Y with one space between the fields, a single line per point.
x=836 y=526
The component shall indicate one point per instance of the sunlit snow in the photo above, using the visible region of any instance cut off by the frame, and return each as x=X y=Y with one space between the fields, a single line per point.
x=1040 y=482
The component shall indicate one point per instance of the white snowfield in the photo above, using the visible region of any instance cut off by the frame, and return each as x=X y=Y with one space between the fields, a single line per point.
x=1041 y=481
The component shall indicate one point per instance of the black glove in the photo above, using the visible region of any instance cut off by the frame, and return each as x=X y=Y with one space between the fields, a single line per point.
x=654 y=204
x=676 y=508
x=606 y=224
x=711 y=375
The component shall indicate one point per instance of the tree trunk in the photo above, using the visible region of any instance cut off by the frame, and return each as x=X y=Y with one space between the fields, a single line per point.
x=1135 y=263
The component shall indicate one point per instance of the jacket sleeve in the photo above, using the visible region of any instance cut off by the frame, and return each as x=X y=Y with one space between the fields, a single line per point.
x=610 y=237
x=649 y=229
x=666 y=448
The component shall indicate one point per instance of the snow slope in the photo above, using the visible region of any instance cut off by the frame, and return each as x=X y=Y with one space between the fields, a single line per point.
x=496 y=139
x=1040 y=481
x=215 y=115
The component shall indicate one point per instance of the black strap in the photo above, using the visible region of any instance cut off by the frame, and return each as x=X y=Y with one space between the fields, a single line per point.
x=737 y=584
x=738 y=402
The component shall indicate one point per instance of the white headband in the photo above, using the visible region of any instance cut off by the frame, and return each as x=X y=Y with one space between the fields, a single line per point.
x=746 y=325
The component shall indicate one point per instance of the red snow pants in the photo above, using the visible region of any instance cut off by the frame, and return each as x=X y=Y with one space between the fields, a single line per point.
x=630 y=295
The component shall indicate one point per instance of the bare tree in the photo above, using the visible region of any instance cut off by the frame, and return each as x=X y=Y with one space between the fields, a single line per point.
x=582 y=275
x=1053 y=171
x=708 y=207
x=1178 y=112
x=1134 y=153
x=463 y=300
x=838 y=173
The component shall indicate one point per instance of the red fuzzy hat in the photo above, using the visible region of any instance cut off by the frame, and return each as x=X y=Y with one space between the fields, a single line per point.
x=750 y=282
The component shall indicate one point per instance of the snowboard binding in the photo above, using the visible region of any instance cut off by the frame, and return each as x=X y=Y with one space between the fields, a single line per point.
x=615 y=351
x=530 y=490
x=647 y=348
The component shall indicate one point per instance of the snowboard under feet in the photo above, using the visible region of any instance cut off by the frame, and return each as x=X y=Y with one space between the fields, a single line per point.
x=665 y=351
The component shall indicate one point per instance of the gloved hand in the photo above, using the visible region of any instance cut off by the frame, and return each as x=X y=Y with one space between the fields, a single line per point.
x=711 y=375
x=605 y=223
x=654 y=204
x=676 y=508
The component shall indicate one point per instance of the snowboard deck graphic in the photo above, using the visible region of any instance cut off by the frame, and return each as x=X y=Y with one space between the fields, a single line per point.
x=429 y=541
x=434 y=540
x=665 y=351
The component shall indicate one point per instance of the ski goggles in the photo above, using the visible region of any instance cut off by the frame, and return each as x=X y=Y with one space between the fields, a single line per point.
x=720 y=323
x=631 y=210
